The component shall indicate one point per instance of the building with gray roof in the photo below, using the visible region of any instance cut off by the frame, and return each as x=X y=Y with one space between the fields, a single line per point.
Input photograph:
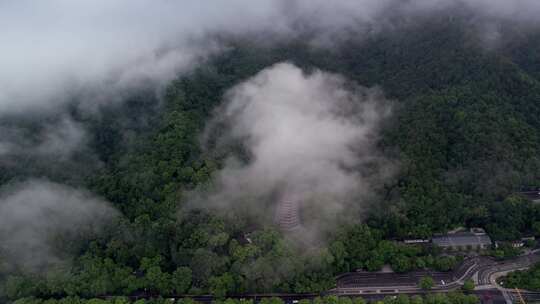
x=463 y=241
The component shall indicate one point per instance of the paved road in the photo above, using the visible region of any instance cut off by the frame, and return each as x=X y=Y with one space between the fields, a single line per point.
x=492 y=296
x=529 y=297
x=207 y=299
x=488 y=271
x=366 y=282
x=482 y=270
x=376 y=286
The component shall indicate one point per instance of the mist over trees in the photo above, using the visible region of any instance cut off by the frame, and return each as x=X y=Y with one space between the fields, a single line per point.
x=463 y=135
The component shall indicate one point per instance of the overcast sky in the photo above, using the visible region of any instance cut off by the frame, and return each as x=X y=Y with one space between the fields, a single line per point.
x=51 y=50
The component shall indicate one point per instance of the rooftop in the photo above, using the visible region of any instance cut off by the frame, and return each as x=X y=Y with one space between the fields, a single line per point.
x=462 y=239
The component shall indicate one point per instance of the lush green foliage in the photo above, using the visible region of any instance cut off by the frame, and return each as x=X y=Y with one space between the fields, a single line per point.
x=465 y=131
x=362 y=247
x=468 y=285
x=426 y=283
x=451 y=298
x=529 y=280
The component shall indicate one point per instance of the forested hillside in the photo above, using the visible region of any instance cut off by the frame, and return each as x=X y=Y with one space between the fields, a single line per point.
x=464 y=133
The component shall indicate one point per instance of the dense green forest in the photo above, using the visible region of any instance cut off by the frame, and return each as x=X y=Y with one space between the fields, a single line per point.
x=452 y=298
x=465 y=131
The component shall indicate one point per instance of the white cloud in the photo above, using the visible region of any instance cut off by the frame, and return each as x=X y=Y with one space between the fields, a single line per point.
x=33 y=214
x=52 y=49
x=309 y=137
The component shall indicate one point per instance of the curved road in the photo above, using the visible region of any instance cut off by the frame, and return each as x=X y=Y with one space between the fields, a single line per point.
x=482 y=270
x=375 y=286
